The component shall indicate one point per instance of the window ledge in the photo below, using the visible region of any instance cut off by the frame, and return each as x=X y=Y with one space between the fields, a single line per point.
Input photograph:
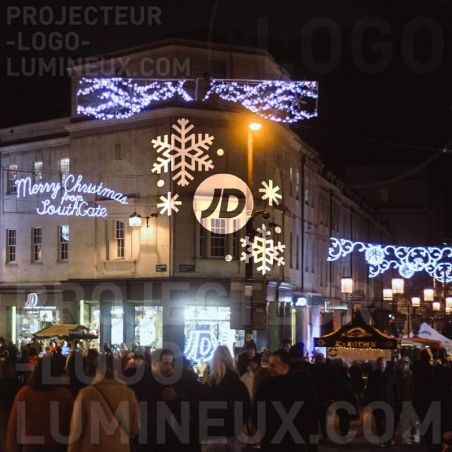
x=11 y=264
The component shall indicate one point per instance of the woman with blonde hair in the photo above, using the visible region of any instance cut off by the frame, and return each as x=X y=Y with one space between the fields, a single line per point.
x=228 y=398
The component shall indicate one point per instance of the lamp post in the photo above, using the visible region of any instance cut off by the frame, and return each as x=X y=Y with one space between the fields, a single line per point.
x=415 y=303
x=252 y=128
x=347 y=289
x=387 y=295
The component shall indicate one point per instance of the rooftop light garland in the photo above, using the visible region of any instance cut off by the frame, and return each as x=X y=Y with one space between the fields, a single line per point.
x=119 y=98
x=277 y=100
x=436 y=261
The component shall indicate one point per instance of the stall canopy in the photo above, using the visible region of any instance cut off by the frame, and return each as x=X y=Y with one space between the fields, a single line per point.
x=428 y=332
x=422 y=341
x=65 y=331
x=357 y=335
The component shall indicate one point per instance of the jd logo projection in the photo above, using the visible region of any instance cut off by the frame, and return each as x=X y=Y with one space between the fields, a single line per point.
x=72 y=201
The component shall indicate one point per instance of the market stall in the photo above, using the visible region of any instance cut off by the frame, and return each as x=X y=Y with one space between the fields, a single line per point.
x=357 y=341
x=66 y=331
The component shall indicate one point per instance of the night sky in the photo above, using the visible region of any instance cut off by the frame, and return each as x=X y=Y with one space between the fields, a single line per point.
x=396 y=112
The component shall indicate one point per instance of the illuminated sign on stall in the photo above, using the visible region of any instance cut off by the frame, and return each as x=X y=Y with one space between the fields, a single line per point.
x=67 y=198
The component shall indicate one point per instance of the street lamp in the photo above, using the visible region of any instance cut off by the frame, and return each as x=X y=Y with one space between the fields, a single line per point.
x=436 y=305
x=449 y=303
x=135 y=220
x=347 y=289
x=415 y=302
x=397 y=289
x=252 y=128
x=428 y=294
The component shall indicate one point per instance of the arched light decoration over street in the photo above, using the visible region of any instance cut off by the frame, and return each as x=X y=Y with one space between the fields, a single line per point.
x=434 y=260
x=415 y=302
x=428 y=294
x=119 y=98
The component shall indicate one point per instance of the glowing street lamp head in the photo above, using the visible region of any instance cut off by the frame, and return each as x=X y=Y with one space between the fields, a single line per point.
x=347 y=285
x=415 y=302
x=436 y=305
x=387 y=294
x=428 y=294
x=397 y=285
x=255 y=126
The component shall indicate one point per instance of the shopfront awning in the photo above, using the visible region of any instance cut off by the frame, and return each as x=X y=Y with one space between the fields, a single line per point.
x=357 y=334
x=65 y=331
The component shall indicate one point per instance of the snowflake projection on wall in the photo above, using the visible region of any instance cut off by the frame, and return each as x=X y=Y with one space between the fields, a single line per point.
x=182 y=152
x=270 y=192
x=435 y=261
x=120 y=98
x=169 y=204
x=262 y=250
x=277 y=100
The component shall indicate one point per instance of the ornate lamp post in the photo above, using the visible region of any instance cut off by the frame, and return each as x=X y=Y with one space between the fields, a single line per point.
x=347 y=289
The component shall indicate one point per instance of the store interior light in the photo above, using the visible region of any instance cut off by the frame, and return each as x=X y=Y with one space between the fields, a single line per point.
x=428 y=294
x=301 y=301
x=387 y=294
x=436 y=305
x=415 y=302
x=397 y=285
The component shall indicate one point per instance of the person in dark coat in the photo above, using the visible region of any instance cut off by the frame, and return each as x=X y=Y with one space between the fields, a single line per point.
x=382 y=387
x=245 y=356
x=225 y=386
x=278 y=395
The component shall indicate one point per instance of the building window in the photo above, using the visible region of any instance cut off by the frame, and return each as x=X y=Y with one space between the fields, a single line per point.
x=202 y=240
x=12 y=178
x=235 y=243
x=297 y=185
x=297 y=256
x=291 y=250
x=64 y=168
x=11 y=245
x=36 y=242
x=37 y=171
x=63 y=242
x=120 y=233
x=290 y=181
x=218 y=237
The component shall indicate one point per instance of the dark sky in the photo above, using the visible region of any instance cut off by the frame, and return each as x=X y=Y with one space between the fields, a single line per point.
x=394 y=108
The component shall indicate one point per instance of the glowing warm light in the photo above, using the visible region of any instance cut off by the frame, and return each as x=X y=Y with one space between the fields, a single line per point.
x=436 y=305
x=135 y=220
x=387 y=294
x=397 y=285
x=449 y=302
x=428 y=294
x=346 y=285
x=415 y=302
x=255 y=126
x=434 y=260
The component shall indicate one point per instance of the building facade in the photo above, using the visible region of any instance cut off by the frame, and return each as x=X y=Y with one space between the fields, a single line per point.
x=173 y=279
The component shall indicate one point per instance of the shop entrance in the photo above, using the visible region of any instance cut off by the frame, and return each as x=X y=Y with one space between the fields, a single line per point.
x=28 y=321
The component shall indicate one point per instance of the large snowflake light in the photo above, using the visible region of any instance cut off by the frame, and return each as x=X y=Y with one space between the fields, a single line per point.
x=262 y=250
x=436 y=261
x=169 y=204
x=270 y=192
x=277 y=100
x=182 y=152
x=119 y=98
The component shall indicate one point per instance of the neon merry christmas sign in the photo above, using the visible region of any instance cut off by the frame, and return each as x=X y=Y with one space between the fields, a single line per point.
x=436 y=261
x=67 y=198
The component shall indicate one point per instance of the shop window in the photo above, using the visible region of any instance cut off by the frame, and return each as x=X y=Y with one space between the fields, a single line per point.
x=120 y=233
x=37 y=171
x=12 y=178
x=64 y=167
x=218 y=237
x=117 y=325
x=63 y=242
x=11 y=245
x=149 y=326
x=36 y=244
x=28 y=321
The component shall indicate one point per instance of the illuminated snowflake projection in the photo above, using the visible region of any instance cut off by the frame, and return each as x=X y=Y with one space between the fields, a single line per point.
x=435 y=261
x=120 y=98
x=270 y=192
x=169 y=204
x=262 y=250
x=278 y=100
x=182 y=152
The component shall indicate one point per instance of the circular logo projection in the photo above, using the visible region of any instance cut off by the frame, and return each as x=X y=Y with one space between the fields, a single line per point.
x=223 y=203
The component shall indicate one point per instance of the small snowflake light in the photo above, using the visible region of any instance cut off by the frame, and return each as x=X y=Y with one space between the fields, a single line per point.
x=262 y=250
x=182 y=152
x=169 y=204
x=270 y=192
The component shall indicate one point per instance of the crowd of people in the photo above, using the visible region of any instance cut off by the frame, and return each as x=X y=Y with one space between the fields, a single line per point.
x=136 y=400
